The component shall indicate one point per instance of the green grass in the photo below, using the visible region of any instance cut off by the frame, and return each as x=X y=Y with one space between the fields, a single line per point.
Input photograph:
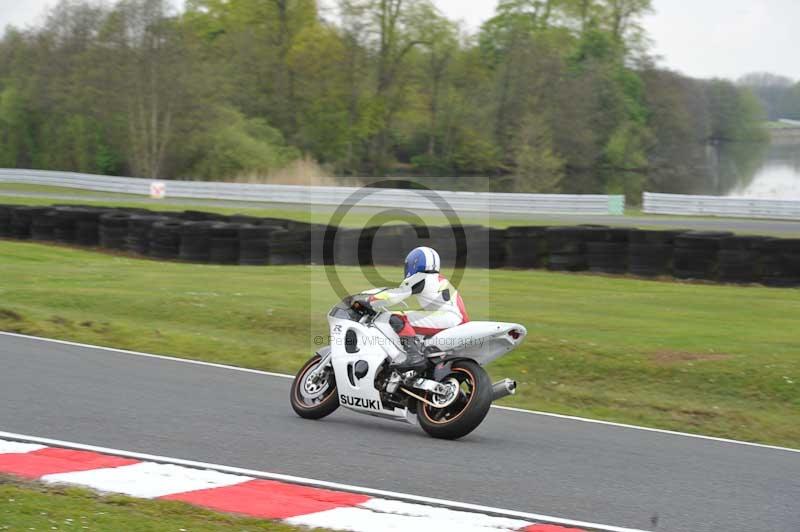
x=712 y=359
x=33 y=506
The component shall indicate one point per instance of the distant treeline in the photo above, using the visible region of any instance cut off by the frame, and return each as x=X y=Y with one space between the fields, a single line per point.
x=779 y=95
x=548 y=96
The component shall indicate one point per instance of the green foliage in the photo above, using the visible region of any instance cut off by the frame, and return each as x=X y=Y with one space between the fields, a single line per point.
x=735 y=111
x=17 y=144
x=536 y=167
x=237 y=145
x=244 y=87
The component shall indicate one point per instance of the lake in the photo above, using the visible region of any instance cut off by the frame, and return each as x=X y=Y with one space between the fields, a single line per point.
x=753 y=170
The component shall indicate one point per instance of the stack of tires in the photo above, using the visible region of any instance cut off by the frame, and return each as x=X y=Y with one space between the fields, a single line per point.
x=139 y=229
x=21 y=220
x=346 y=247
x=739 y=259
x=165 y=239
x=254 y=243
x=66 y=224
x=43 y=225
x=525 y=247
x=87 y=227
x=224 y=243
x=650 y=252
x=780 y=265
x=6 y=212
x=389 y=244
x=607 y=249
x=695 y=254
x=452 y=243
x=485 y=246
x=289 y=247
x=567 y=248
x=195 y=243
x=114 y=229
x=364 y=246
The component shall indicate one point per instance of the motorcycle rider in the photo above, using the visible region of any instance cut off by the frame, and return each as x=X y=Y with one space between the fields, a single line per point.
x=441 y=303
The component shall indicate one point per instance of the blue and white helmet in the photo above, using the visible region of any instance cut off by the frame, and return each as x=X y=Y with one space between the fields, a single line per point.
x=422 y=260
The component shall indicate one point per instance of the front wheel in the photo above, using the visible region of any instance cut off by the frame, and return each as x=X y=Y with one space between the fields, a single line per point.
x=313 y=394
x=461 y=415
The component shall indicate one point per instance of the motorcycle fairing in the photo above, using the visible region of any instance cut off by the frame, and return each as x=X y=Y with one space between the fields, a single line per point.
x=356 y=393
x=482 y=341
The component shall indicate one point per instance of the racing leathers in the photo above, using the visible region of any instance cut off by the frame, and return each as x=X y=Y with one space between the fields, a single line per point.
x=442 y=308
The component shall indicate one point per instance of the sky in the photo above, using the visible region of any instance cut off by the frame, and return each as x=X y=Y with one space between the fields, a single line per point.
x=701 y=38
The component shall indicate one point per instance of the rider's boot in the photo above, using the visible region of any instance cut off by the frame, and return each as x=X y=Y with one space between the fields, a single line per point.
x=414 y=359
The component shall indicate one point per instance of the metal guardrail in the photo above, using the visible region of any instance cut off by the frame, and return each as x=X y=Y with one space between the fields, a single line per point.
x=681 y=204
x=485 y=202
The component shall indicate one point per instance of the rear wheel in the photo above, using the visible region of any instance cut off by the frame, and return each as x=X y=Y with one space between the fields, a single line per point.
x=461 y=415
x=313 y=394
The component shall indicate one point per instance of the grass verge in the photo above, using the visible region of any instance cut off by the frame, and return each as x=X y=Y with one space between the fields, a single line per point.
x=712 y=359
x=35 y=506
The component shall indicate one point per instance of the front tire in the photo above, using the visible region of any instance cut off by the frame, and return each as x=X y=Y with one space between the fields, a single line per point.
x=467 y=412
x=314 y=399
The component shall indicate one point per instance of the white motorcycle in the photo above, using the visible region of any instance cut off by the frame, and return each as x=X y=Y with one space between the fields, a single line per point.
x=449 y=399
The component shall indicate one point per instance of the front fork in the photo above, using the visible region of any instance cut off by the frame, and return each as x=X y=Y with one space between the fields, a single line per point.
x=325 y=361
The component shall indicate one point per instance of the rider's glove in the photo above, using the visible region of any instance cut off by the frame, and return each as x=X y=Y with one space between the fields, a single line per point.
x=361 y=304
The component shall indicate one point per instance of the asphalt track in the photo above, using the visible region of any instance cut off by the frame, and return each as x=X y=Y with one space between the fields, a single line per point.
x=516 y=460
x=739 y=225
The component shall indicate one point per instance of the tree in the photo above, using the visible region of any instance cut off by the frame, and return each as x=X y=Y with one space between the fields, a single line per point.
x=536 y=167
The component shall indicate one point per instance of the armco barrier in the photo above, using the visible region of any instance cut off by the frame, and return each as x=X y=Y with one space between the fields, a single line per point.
x=194 y=236
x=484 y=202
x=681 y=204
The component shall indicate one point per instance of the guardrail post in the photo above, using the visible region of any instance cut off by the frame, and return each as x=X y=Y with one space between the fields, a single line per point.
x=616 y=205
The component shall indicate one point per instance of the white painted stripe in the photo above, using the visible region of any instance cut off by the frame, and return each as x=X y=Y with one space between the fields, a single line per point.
x=513 y=514
x=147 y=479
x=647 y=429
x=362 y=520
x=508 y=408
x=148 y=355
x=15 y=447
x=462 y=519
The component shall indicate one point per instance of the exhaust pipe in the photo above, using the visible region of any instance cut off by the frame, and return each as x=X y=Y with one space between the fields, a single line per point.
x=503 y=388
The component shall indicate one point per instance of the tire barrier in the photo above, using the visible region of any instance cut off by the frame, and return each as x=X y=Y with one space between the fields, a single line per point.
x=6 y=212
x=390 y=243
x=195 y=241
x=650 y=252
x=739 y=259
x=607 y=249
x=113 y=230
x=695 y=255
x=165 y=239
x=140 y=228
x=43 y=225
x=254 y=243
x=780 y=266
x=224 y=243
x=526 y=247
x=289 y=247
x=567 y=248
x=200 y=237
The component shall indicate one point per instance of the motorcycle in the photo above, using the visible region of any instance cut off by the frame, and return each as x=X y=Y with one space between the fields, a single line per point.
x=448 y=400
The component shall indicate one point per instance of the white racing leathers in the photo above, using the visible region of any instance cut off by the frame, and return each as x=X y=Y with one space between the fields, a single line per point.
x=442 y=306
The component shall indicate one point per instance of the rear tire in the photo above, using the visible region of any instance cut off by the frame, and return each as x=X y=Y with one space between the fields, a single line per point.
x=459 y=419
x=314 y=400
